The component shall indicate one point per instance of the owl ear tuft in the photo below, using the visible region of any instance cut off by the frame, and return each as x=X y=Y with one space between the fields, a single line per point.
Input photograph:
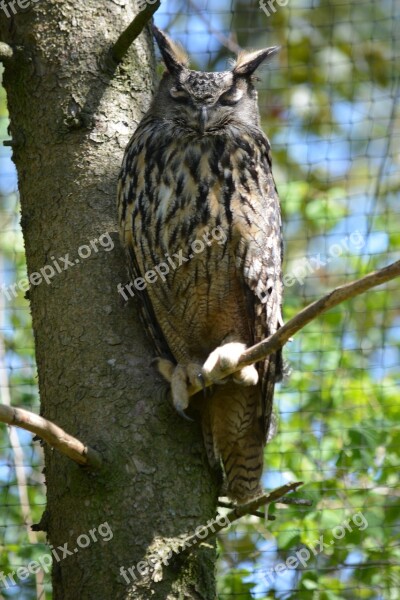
x=175 y=57
x=248 y=62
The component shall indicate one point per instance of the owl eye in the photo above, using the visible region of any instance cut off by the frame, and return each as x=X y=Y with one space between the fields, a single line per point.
x=231 y=97
x=179 y=94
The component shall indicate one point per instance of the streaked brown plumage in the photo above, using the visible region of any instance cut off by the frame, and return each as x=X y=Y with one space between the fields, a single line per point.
x=197 y=172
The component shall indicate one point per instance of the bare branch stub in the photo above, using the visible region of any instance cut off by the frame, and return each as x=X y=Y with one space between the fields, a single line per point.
x=133 y=30
x=52 y=434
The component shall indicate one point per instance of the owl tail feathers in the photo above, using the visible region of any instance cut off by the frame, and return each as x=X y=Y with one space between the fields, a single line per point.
x=233 y=435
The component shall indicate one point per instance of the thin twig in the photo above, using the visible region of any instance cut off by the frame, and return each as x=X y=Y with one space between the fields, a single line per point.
x=284 y=500
x=240 y=511
x=133 y=30
x=263 y=500
x=256 y=513
x=52 y=434
x=274 y=342
x=6 y=52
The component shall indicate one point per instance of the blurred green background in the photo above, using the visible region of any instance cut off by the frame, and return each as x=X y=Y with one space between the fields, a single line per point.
x=330 y=105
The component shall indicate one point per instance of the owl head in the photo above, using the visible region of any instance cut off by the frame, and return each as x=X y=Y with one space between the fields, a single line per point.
x=207 y=103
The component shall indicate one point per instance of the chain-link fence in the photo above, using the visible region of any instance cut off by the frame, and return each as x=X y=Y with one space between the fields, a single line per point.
x=329 y=103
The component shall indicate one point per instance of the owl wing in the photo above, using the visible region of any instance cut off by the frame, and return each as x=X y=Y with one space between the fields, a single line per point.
x=260 y=261
x=128 y=191
x=146 y=311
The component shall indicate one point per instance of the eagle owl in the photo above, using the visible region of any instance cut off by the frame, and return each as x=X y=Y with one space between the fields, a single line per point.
x=200 y=220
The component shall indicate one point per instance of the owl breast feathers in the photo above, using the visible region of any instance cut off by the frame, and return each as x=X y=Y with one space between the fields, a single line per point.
x=200 y=220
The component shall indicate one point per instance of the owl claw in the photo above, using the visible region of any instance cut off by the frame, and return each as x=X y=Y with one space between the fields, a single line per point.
x=180 y=377
x=182 y=413
x=202 y=380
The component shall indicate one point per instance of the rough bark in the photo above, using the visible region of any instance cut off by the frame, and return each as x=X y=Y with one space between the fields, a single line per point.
x=72 y=112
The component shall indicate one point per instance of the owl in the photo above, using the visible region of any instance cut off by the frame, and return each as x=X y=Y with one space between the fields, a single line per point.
x=200 y=220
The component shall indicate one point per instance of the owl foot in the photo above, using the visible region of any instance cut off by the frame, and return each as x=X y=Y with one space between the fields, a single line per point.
x=227 y=357
x=180 y=377
x=246 y=376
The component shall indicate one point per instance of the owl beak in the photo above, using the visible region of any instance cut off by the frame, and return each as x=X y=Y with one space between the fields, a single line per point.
x=203 y=117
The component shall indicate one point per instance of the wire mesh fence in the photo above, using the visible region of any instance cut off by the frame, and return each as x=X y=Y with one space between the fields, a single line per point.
x=329 y=104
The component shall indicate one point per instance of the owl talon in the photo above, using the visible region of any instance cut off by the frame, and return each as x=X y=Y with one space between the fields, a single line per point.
x=182 y=414
x=202 y=381
x=165 y=367
x=227 y=357
x=180 y=377
x=223 y=357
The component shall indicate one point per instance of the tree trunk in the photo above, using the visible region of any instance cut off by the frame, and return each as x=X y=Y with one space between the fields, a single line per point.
x=72 y=112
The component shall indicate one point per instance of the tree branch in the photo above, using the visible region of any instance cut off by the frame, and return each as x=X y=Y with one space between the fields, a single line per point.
x=283 y=500
x=274 y=342
x=240 y=511
x=52 y=434
x=133 y=30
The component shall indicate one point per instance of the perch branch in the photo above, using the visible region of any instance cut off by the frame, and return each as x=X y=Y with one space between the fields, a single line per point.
x=52 y=434
x=240 y=511
x=133 y=30
x=274 y=342
x=6 y=52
